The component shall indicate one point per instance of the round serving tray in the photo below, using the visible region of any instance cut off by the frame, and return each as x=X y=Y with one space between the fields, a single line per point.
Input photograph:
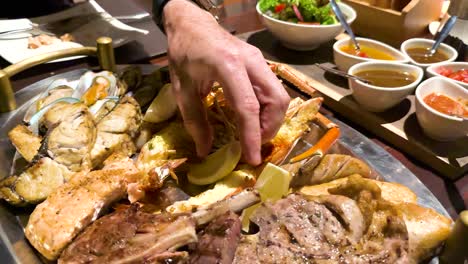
x=14 y=247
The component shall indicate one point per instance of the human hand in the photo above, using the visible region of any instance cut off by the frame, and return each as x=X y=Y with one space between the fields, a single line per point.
x=201 y=52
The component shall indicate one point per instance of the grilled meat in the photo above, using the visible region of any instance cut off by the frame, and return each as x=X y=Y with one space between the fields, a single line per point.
x=25 y=142
x=302 y=229
x=142 y=236
x=70 y=135
x=117 y=130
x=217 y=242
x=73 y=206
x=35 y=183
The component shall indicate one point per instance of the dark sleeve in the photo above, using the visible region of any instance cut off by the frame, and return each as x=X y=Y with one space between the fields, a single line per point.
x=158 y=6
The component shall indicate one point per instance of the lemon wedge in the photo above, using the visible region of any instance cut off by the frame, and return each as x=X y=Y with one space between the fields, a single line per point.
x=163 y=107
x=216 y=166
x=272 y=184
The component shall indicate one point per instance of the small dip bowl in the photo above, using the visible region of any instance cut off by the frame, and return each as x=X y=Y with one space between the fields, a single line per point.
x=345 y=60
x=376 y=98
x=437 y=69
x=450 y=52
x=436 y=125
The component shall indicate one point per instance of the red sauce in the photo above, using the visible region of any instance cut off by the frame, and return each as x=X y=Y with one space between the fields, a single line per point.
x=446 y=105
x=460 y=75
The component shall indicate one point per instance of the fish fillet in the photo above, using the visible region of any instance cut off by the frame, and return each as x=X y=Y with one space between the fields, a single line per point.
x=76 y=204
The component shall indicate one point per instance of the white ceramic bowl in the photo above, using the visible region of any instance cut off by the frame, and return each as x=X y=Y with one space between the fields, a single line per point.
x=344 y=60
x=305 y=37
x=436 y=125
x=433 y=70
x=421 y=42
x=377 y=99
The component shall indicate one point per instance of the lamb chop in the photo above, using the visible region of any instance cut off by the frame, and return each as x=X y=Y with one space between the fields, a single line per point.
x=145 y=237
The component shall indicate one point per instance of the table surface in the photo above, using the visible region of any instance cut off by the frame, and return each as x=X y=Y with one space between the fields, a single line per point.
x=241 y=17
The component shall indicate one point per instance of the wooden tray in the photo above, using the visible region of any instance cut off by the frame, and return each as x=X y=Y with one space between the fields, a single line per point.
x=394 y=21
x=397 y=125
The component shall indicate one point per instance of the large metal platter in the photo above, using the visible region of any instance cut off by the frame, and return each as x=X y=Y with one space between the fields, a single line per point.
x=14 y=247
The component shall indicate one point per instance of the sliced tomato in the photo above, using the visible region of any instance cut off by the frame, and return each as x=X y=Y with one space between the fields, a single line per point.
x=444 y=71
x=280 y=7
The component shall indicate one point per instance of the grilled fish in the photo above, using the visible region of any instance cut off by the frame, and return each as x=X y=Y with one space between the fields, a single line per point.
x=117 y=130
x=73 y=206
x=25 y=142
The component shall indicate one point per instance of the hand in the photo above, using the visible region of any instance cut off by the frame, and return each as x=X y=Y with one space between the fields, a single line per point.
x=200 y=52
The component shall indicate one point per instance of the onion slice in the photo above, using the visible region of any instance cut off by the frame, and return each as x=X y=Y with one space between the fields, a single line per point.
x=298 y=13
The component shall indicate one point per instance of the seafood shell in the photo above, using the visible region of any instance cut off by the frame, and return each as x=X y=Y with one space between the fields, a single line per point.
x=90 y=78
x=34 y=121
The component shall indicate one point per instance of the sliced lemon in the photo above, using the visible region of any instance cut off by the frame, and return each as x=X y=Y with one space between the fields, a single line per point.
x=163 y=107
x=272 y=184
x=216 y=166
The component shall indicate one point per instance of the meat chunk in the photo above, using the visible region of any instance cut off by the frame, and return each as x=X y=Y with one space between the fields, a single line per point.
x=117 y=130
x=73 y=206
x=25 y=142
x=217 y=243
x=302 y=229
x=142 y=238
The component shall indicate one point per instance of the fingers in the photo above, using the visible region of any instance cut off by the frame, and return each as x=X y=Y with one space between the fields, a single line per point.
x=273 y=98
x=193 y=112
x=240 y=95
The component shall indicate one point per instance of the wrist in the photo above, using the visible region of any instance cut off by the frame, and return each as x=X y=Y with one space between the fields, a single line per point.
x=181 y=13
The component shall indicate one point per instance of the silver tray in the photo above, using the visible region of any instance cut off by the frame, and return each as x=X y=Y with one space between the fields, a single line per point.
x=14 y=247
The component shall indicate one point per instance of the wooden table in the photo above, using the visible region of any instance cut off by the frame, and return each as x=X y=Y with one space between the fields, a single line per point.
x=242 y=17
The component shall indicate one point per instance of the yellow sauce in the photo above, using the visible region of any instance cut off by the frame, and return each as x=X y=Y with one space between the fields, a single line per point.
x=367 y=52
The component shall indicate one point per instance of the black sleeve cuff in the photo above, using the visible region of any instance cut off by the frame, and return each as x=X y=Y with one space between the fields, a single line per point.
x=158 y=7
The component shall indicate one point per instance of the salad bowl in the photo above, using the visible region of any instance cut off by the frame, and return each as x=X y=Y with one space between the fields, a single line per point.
x=305 y=36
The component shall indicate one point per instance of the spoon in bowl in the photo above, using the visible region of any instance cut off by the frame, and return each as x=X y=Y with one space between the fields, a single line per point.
x=342 y=73
x=442 y=35
x=336 y=9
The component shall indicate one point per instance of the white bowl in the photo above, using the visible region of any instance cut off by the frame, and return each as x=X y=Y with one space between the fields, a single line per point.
x=377 y=99
x=305 y=37
x=344 y=60
x=432 y=71
x=421 y=42
x=437 y=125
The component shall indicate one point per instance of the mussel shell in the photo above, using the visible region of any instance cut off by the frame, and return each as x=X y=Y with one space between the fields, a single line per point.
x=102 y=107
x=131 y=76
x=56 y=84
x=87 y=79
x=34 y=122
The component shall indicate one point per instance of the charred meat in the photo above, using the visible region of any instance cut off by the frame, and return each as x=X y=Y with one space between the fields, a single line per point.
x=143 y=236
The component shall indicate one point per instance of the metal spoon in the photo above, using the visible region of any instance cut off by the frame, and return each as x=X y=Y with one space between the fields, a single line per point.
x=345 y=24
x=342 y=74
x=442 y=35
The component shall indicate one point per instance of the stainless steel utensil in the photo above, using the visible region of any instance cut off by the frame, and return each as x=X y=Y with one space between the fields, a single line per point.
x=336 y=9
x=442 y=35
x=68 y=25
x=342 y=73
